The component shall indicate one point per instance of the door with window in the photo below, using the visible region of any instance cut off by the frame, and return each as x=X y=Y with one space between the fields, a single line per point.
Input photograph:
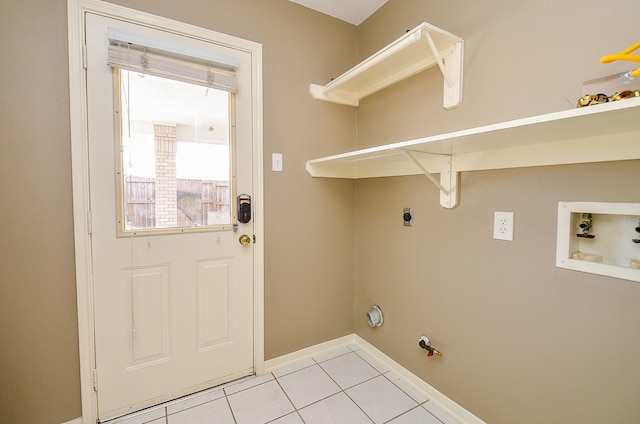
x=170 y=151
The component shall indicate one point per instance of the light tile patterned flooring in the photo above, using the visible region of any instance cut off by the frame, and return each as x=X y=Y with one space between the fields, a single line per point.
x=343 y=386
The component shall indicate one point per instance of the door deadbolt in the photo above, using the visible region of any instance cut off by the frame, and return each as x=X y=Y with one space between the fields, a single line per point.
x=244 y=239
x=244 y=208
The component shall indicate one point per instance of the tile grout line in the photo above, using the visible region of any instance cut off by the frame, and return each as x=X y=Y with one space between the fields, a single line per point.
x=356 y=404
x=418 y=404
x=248 y=388
x=402 y=390
x=294 y=371
x=230 y=408
x=319 y=364
x=345 y=390
x=289 y=399
x=404 y=413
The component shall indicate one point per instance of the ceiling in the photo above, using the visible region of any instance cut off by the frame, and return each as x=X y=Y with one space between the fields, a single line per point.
x=352 y=11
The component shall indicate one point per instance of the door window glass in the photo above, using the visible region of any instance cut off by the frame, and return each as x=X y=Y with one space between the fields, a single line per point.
x=176 y=150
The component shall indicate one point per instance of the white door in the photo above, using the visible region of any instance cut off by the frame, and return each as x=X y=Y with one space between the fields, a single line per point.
x=172 y=295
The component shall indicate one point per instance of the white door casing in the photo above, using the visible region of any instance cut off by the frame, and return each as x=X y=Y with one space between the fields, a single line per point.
x=156 y=274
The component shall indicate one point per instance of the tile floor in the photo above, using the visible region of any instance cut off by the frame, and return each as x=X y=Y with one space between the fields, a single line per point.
x=343 y=386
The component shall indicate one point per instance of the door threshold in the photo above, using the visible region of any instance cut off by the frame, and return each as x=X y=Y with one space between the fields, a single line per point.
x=183 y=402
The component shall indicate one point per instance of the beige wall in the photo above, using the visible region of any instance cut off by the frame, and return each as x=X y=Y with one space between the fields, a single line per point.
x=517 y=332
x=309 y=268
x=39 y=371
x=523 y=341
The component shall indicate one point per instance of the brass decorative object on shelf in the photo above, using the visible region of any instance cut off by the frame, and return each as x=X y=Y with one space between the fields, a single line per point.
x=596 y=99
x=592 y=99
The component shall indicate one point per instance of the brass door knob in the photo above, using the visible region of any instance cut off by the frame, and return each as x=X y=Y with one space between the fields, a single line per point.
x=245 y=239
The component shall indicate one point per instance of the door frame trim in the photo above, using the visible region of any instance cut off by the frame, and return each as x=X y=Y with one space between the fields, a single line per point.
x=76 y=10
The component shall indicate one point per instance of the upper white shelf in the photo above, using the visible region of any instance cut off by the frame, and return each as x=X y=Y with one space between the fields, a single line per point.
x=418 y=49
x=600 y=133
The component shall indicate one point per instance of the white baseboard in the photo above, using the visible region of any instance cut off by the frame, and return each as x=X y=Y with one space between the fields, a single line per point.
x=308 y=352
x=438 y=399
x=76 y=421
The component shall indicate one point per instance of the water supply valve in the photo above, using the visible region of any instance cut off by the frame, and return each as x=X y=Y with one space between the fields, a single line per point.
x=424 y=343
x=585 y=226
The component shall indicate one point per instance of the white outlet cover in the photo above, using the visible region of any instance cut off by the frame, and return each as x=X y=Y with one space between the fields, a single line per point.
x=503 y=226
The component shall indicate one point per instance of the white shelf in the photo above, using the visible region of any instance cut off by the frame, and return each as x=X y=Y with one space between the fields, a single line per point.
x=600 y=133
x=417 y=50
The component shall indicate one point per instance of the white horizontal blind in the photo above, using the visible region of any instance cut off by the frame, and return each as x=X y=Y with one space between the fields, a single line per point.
x=173 y=61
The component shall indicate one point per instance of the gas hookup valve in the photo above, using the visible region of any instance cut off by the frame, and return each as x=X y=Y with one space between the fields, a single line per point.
x=424 y=343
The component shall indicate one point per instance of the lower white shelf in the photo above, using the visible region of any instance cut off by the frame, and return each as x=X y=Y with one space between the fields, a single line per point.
x=601 y=133
x=606 y=132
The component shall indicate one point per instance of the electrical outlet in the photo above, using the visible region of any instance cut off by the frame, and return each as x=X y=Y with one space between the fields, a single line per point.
x=407 y=217
x=503 y=226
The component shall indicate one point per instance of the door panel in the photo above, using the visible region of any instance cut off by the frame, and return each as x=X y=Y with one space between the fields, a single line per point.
x=216 y=302
x=173 y=311
x=146 y=293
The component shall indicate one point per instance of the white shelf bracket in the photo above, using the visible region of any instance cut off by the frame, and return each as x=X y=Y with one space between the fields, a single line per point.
x=451 y=69
x=439 y=61
x=448 y=184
